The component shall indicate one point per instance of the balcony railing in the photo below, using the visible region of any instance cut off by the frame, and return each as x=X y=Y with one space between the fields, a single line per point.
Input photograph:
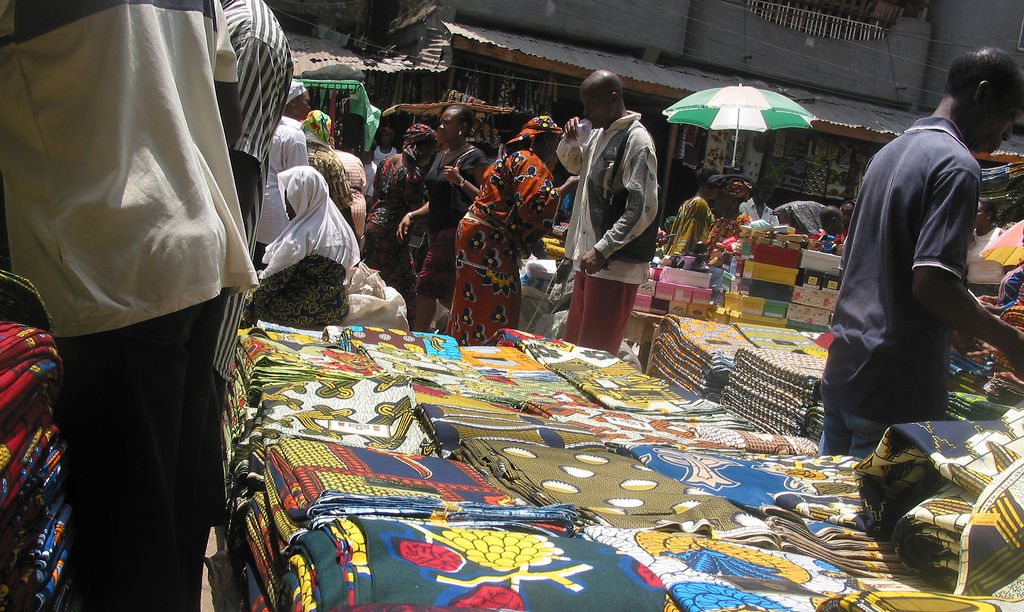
x=813 y=23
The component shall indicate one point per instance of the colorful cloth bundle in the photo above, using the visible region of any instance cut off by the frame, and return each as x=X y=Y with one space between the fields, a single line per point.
x=450 y=425
x=31 y=470
x=607 y=488
x=777 y=338
x=556 y=519
x=704 y=575
x=508 y=362
x=375 y=412
x=774 y=390
x=608 y=380
x=299 y=471
x=624 y=428
x=696 y=355
x=748 y=484
x=359 y=561
x=971 y=407
x=851 y=550
x=967 y=375
x=933 y=484
x=897 y=601
x=356 y=337
x=264 y=361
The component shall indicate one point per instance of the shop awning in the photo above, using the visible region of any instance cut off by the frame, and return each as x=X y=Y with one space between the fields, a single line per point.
x=836 y=115
x=314 y=54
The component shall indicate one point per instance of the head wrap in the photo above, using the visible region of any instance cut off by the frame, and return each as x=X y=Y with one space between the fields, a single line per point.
x=318 y=123
x=542 y=124
x=296 y=90
x=414 y=138
x=317 y=228
x=735 y=185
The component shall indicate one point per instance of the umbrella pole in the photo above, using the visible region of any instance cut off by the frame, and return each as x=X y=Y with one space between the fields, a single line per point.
x=735 y=140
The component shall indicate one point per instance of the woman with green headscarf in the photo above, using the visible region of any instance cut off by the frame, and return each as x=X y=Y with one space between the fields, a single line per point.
x=317 y=128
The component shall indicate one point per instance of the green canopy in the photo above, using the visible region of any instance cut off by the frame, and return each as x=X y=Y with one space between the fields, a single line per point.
x=358 y=103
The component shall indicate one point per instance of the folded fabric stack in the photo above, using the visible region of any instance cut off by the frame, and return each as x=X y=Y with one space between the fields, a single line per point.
x=352 y=562
x=356 y=337
x=775 y=390
x=696 y=355
x=967 y=375
x=890 y=601
x=704 y=575
x=607 y=380
x=970 y=407
x=779 y=339
x=608 y=489
x=449 y=425
x=298 y=472
x=35 y=540
x=951 y=495
x=267 y=358
x=623 y=428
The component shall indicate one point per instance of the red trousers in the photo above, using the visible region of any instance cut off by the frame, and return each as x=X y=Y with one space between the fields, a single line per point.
x=599 y=312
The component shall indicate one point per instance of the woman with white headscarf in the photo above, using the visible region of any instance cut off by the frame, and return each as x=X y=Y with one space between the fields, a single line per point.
x=304 y=282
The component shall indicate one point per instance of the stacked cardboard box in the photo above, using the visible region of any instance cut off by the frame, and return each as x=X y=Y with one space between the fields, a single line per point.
x=814 y=298
x=676 y=291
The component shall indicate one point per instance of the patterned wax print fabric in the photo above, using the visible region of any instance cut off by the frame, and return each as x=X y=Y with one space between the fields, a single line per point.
x=41 y=571
x=264 y=361
x=299 y=471
x=696 y=355
x=359 y=561
x=516 y=205
x=972 y=407
x=265 y=561
x=851 y=550
x=775 y=389
x=556 y=519
x=917 y=601
x=449 y=425
x=703 y=575
x=291 y=334
x=608 y=489
x=992 y=544
x=307 y=294
x=509 y=362
x=607 y=379
x=356 y=337
x=397 y=189
x=682 y=432
x=922 y=484
x=21 y=303
x=726 y=228
x=777 y=338
x=375 y=412
x=517 y=338
x=748 y=484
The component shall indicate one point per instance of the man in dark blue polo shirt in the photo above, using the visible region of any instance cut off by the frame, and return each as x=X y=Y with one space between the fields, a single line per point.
x=903 y=291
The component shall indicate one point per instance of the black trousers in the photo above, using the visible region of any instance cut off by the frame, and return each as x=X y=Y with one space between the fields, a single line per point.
x=133 y=408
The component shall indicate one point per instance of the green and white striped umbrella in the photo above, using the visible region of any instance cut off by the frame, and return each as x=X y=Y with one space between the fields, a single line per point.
x=739 y=108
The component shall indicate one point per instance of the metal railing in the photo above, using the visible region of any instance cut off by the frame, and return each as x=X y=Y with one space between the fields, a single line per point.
x=814 y=23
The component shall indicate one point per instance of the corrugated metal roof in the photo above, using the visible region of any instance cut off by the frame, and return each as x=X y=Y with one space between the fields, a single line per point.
x=828 y=108
x=310 y=53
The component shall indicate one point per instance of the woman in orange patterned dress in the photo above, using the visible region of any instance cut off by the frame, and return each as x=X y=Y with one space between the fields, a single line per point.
x=515 y=206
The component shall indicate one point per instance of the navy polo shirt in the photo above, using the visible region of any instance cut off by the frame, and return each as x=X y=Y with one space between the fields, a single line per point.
x=917 y=205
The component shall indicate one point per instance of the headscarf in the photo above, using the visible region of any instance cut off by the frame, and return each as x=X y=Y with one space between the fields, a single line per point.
x=296 y=90
x=318 y=227
x=735 y=185
x=318 y=123
x=415 y=136
x=542 y=124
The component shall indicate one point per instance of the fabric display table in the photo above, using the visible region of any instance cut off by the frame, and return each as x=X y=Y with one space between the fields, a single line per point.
x=408 y=473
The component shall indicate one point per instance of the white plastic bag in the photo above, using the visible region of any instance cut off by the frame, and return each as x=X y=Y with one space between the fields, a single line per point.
x=374 y=304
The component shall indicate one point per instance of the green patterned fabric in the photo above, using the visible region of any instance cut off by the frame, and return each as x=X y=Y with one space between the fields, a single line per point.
x=610 y=489
x=307 y=294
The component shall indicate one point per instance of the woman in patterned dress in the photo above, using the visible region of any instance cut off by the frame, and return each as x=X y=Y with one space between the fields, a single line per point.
x=515 y=206
x=398 y=189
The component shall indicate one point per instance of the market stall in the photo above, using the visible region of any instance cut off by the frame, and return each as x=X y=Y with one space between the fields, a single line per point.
x=345 y=97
